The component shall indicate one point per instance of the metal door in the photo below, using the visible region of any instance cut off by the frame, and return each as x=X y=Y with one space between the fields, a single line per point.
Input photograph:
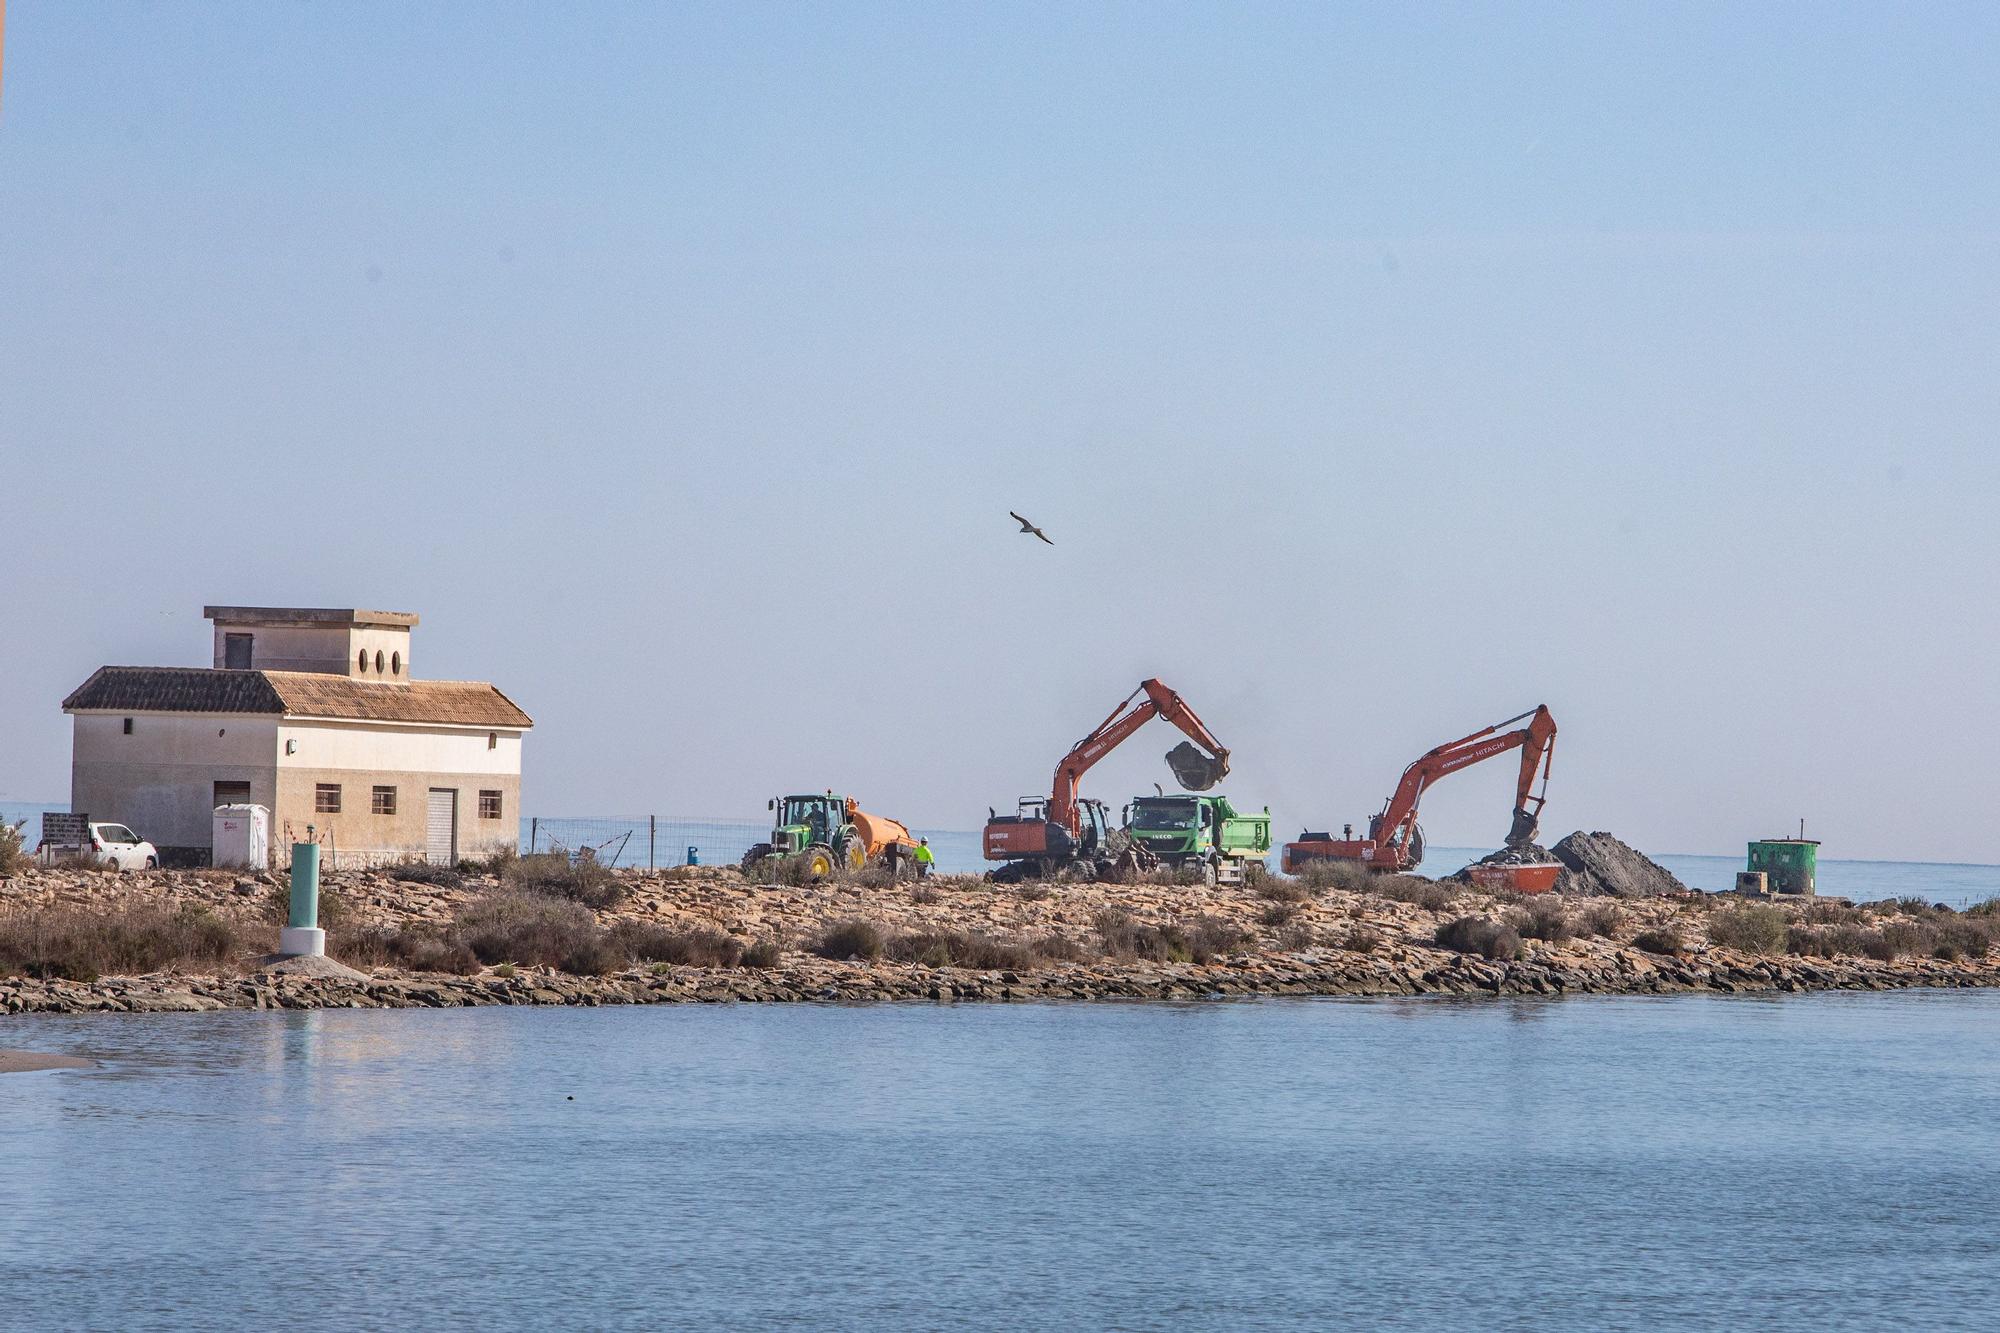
x=441 y=827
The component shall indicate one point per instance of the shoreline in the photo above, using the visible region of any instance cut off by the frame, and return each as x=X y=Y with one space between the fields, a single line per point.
x=499 y=935
x=1461 y=976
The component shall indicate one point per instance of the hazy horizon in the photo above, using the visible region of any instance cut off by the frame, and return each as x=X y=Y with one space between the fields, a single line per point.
x=1378 y=375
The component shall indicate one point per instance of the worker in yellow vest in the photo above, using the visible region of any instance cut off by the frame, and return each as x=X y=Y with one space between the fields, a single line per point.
x=923 y=857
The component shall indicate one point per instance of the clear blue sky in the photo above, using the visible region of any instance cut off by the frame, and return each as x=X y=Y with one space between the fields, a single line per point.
x=1379 y=372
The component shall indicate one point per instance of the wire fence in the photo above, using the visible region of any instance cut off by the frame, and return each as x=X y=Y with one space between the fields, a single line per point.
x=652 y=841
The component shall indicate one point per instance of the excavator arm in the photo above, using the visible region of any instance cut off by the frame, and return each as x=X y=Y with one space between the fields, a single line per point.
x=1536 y=742
x=1195 y=770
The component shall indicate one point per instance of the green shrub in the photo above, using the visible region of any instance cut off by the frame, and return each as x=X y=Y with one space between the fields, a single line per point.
x=1751 y=928
x=13 y=860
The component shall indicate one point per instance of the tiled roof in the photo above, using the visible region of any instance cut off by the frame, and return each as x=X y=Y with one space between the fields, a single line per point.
x=463 y=703
x=471 y=703
x=176 y=690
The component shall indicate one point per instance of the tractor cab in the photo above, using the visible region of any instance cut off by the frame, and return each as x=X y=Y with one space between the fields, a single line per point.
x=802 y=821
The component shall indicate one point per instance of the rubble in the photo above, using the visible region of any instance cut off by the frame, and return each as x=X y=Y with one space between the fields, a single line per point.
x=1599 y=864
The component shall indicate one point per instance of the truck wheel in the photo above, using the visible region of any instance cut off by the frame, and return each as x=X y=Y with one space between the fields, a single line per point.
x=152 y=863
x=1204 y=874
x=819 y=861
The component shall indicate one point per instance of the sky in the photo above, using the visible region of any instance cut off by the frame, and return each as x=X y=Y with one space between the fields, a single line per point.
x=1378 y=371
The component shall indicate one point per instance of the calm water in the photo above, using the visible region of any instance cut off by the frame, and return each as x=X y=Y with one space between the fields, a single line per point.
x=1804 y=1163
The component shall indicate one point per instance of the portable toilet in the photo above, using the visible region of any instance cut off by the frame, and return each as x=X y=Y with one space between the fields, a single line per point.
x=242 y=837
x=1790 y=865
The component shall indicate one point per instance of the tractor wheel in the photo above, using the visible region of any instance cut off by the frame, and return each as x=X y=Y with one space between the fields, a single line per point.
x=755 y=863
x=854 y=854
x=818 y=861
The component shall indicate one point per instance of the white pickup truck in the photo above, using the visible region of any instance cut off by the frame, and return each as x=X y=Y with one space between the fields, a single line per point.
x=111 y=845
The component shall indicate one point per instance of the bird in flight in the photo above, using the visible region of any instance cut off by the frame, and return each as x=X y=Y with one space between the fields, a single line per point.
x=1029 y=527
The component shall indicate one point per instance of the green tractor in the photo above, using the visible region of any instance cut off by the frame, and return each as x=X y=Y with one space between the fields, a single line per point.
x=827 y=833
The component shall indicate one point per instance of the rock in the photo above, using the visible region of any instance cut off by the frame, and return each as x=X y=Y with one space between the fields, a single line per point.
x=1598 y=863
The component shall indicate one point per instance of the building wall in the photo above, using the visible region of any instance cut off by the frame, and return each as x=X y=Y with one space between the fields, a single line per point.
x=331 y=649
x=160 y=779
x=359 y=836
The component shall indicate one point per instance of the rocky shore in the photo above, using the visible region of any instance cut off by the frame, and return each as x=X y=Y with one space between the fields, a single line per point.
x=1062 y=942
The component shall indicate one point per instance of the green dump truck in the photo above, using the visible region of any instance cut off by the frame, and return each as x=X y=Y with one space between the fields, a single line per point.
x=1204 y=832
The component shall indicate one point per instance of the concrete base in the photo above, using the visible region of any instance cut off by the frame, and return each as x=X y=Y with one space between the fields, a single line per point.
x=294 y=941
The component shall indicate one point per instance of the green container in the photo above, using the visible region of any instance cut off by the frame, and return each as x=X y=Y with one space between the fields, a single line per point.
x=1792 y=864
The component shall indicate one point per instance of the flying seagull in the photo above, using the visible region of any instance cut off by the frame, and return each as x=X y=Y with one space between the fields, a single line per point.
x=1029 y=527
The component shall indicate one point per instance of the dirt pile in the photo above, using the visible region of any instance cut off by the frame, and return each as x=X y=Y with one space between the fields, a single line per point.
x=1598 y=863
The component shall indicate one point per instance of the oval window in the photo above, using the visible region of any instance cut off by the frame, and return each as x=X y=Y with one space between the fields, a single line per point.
x=395 y=664
x=361 y=660
x=378 y=661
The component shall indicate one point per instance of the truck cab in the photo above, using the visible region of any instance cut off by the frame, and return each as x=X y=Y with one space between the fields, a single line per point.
x=1183 y=829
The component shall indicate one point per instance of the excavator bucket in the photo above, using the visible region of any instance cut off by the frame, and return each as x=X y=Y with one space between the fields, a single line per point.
x=1194 y=770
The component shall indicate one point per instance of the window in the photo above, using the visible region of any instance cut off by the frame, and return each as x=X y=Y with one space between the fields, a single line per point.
x=236 y=652
x=326 y=798
x=395 y=664
x=489 y=805
x=128 y=726
x=116 y=834
x=492 y=740
x=232 y=793
x=361 y=660
x=383 y=801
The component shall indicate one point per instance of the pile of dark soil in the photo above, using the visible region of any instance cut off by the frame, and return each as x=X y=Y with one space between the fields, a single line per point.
x=1529 y=855
x=1598 y=863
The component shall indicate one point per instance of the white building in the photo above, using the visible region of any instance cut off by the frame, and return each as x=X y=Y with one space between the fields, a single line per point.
x=314 y=714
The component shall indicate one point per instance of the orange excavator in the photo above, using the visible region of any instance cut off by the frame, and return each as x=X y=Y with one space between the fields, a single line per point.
x=1065 y=832
x=1395 y=841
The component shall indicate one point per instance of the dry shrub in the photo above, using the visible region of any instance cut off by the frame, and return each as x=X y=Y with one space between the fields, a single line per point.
x=957 y=948
x=78 y=945
x=1032 y=891
x=417 y=950
x=537 y=930
x=1542 y=918
x=851 y=939
x=1960 y=938
x=334 y=912
x=1284 y=889
x=1662 y=940
x=423 y=872
x=1429 y=894
x=1277 y=914
x=703 y=946
x=763 y=953
x=1819 y=913
x=553 y=874
x=1480 y=935
x=1362 y=939
x=1326 y=873
x=1751 y=928
x=1602 y=920
x=1199 y=941
x=1297 y=938
x=923 y=895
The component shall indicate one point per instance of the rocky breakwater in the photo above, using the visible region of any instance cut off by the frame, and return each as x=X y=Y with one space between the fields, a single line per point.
x=502 y=936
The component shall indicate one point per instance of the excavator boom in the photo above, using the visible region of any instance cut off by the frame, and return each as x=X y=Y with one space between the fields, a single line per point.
x=1194 y=769
x=1393 y=841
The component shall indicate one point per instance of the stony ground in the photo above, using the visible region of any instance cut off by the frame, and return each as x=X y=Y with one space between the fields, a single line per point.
x=1293 y=941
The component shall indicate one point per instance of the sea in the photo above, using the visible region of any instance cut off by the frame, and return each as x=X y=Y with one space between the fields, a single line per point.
x=1701 y=1163
x=672 y=841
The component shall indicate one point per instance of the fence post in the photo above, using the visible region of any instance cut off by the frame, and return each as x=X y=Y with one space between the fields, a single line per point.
x=652 y=830
x=534 y=832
